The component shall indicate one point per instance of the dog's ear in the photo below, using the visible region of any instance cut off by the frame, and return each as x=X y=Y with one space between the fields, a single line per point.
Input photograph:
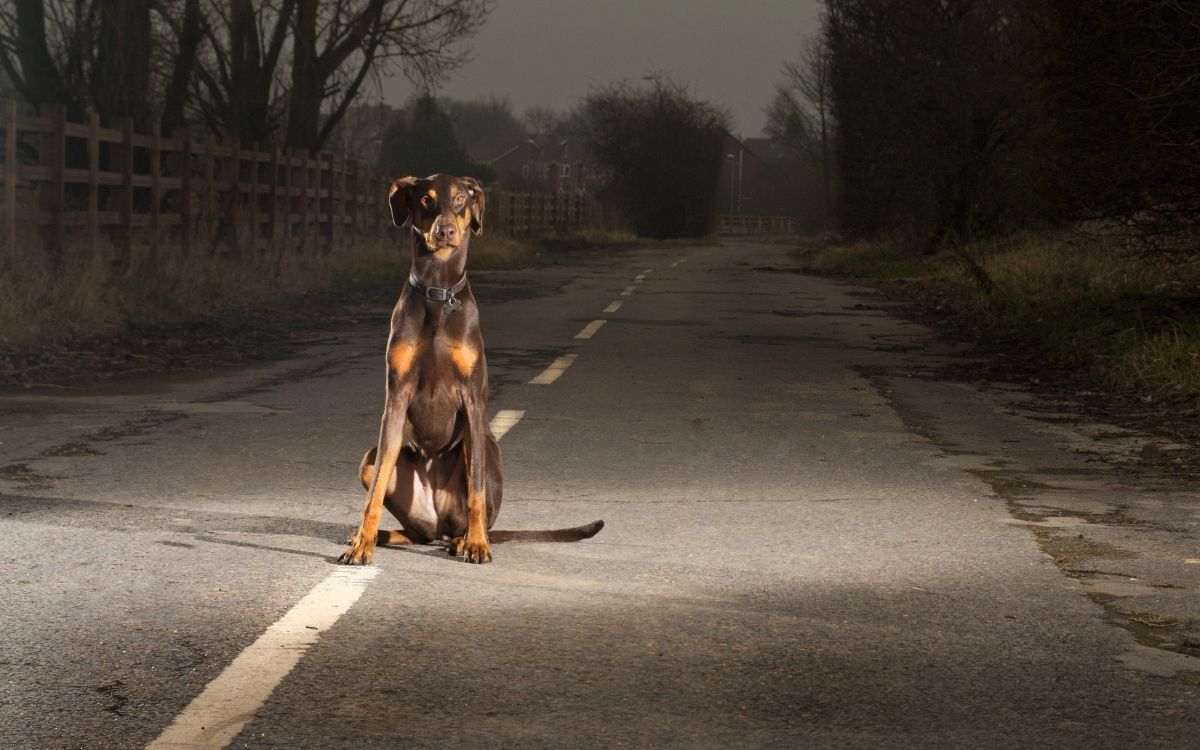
x=475 y=190
x=398 y=199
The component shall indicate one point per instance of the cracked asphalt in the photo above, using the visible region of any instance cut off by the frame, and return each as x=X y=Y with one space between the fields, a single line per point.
x=814 y=537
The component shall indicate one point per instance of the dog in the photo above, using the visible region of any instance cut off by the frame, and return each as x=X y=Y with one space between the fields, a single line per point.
x=436 y=466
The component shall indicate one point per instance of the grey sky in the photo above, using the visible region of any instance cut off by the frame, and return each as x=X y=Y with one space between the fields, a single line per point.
x=551 y=52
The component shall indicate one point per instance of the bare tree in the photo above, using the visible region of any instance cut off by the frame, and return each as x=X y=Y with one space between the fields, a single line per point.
x=540 y=120
x=239 y=84
x=800 y=116
x=120 y=58
x=338 y=45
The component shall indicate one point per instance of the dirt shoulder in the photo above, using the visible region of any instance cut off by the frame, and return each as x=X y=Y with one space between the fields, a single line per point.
x=1044 y=356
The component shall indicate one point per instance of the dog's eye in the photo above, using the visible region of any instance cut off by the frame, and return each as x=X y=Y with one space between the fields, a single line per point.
x=460 y=200
x=427 y=201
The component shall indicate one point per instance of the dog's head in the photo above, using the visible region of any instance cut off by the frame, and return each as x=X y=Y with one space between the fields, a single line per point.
x=441 y=208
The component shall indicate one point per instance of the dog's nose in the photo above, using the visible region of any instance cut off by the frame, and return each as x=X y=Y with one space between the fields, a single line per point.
x=446 y=232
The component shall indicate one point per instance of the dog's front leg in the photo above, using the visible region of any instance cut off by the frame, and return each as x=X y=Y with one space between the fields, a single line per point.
x=391 y=440
x=474 y=546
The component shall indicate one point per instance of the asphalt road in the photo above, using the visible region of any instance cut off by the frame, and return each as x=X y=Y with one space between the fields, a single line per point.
x=795 y=552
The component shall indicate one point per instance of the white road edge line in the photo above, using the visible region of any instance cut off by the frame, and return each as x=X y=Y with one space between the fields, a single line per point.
x=555 y=370
x=613 y=306
x=590 y=329
x=505 y=420
x=215 y=717
x=628 y=291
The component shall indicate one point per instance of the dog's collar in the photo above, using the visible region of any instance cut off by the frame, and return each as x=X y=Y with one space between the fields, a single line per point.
x=439 y=294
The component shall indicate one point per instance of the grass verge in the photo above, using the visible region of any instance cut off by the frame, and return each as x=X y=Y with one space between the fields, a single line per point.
x=87 y=294
x=1076 y=301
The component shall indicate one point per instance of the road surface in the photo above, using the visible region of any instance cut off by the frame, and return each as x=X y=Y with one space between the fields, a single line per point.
x=813 y=539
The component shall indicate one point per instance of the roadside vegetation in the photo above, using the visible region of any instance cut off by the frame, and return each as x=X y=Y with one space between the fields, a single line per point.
x=41 y=303
x=1130 y=322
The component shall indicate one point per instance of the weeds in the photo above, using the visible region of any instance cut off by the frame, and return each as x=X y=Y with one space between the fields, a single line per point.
x=90 y=294
x=1085 y=302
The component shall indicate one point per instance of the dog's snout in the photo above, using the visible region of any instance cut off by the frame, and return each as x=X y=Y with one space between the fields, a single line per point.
x=446 y=231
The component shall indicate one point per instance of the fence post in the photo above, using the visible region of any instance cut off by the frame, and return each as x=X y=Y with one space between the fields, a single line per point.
x=324 y=197
x=182 y=167
x=302 y=155
x=355 y=195
x=10 y=177
x=155 y=189
x=53 y=156
x=231 y=175
x=210 y=191
x=337 y=175
x=93 y=148
x=273 y=208
x=123 y=159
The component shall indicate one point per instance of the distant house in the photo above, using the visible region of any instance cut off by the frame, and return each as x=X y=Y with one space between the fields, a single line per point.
x=553 y=164
x=517 y=162
x=570 y=166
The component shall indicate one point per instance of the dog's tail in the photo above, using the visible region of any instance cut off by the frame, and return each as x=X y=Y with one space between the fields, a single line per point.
x=586 y=531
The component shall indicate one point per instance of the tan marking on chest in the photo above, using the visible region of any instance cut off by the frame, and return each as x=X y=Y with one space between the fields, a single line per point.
x=464 y=356
x=401 y=356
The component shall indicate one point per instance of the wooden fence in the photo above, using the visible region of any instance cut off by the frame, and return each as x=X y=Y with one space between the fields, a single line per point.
x=109 y=189
x=744 y=224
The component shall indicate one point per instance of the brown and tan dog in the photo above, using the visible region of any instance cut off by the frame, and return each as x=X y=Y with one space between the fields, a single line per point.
x=436 y=466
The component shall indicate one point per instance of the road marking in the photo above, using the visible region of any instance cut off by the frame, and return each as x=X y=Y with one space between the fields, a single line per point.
x=216 y=716
x=628 y=291
x=505 y=420
x=227 y=704
x=613 y=306
x=681 y=260
x=648 y=270
x=555 y=370
x=590 y=329
x=639 y=278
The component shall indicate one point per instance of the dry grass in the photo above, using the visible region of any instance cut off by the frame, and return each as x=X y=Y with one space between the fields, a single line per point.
x=1084 y=300
x=90 y=294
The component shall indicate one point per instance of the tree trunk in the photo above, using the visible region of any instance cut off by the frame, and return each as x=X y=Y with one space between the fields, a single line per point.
x=305 y=110
x=190 y=36
x=41 y=82
x=121 y=79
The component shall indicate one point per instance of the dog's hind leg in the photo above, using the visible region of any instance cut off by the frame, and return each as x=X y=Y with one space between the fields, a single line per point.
x=407 y=498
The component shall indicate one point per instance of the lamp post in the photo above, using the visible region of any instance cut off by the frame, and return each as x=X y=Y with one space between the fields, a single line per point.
x=732 y=164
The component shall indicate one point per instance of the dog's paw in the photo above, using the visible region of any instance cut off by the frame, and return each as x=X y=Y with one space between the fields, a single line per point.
x=472 y=552
x=359 y=552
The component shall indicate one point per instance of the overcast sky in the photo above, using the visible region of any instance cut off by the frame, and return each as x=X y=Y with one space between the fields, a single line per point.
x=551 y=52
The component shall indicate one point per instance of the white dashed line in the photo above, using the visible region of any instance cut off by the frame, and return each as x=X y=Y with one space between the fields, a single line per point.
x=505 y=420
x=555 y=370
x=639 y=278
x=215 y=716
x=648 y=270
x=681 y=260
x=613 y=306
x=590 y=329
x=627 y=291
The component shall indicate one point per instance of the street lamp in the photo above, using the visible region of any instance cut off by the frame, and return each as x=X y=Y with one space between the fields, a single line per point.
x=732 y=162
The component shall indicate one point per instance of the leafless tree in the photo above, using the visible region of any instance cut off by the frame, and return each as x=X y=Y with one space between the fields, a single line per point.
x=338 y=45
x=121 y=58
x=800 y=116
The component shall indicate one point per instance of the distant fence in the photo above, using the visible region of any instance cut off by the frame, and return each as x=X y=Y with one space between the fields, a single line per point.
x=111 y=189
x=744 y=224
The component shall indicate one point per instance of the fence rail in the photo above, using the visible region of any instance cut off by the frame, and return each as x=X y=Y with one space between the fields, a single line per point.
x=744 y=224
x=112 y=187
